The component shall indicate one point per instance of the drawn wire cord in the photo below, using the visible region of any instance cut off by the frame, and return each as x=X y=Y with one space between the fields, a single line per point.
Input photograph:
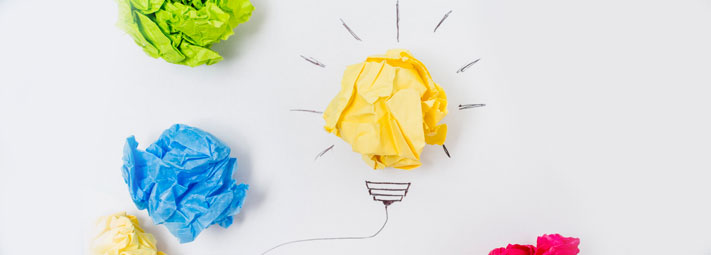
x=334 y=238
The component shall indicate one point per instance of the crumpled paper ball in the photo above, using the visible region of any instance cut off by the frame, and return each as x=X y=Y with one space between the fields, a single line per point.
x=184 y=180
x=514 y=249
x=179 y=31
x=120 y=234
x=554 y=244
x=388 y=109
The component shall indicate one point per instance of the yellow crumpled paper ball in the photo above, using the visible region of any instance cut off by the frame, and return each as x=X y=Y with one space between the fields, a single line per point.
x=387 y=109
x=120 y=234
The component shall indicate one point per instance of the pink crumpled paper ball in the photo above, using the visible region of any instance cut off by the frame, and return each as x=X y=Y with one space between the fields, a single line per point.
x=556 y=244
x=514 y=249
x=553 y=244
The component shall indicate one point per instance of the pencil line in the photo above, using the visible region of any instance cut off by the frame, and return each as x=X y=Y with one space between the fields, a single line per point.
x=335 y=238
x=350 y=31
x=464 y=68
x=399 y=183
x=397 y=21
x=442 y=20
x=324 y=151
x=387 y=189
x=313 y=61
x=469 y=106
x=305 y=110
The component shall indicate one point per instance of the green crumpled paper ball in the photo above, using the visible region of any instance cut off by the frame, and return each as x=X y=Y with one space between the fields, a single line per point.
x=182 y=31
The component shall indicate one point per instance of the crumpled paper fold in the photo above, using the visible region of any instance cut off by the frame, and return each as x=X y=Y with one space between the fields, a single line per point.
x=388 y=109
x=179 y=31
x=120 y=234
x=184 y=180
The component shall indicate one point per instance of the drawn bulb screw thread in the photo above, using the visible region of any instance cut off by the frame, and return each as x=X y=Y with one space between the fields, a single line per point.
x=388 y=192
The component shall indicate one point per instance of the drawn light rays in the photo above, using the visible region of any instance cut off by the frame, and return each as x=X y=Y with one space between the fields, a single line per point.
x=397 y=36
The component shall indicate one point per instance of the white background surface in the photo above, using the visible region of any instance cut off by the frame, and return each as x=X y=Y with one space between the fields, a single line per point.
x=596 y=125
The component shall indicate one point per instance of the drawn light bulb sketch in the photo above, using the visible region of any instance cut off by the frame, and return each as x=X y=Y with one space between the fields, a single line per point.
x=386 y=192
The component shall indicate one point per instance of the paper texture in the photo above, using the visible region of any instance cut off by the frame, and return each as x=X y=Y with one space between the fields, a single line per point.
x=388 y=109
x=120 y=234
x=184 y=180
x=181 y=32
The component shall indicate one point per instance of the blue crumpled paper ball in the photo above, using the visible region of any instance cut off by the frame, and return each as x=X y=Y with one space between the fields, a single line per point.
x=185 y=181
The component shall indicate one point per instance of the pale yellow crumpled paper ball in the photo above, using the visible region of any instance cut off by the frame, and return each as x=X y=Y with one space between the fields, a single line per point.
x=120 y=234
x=388 y=109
